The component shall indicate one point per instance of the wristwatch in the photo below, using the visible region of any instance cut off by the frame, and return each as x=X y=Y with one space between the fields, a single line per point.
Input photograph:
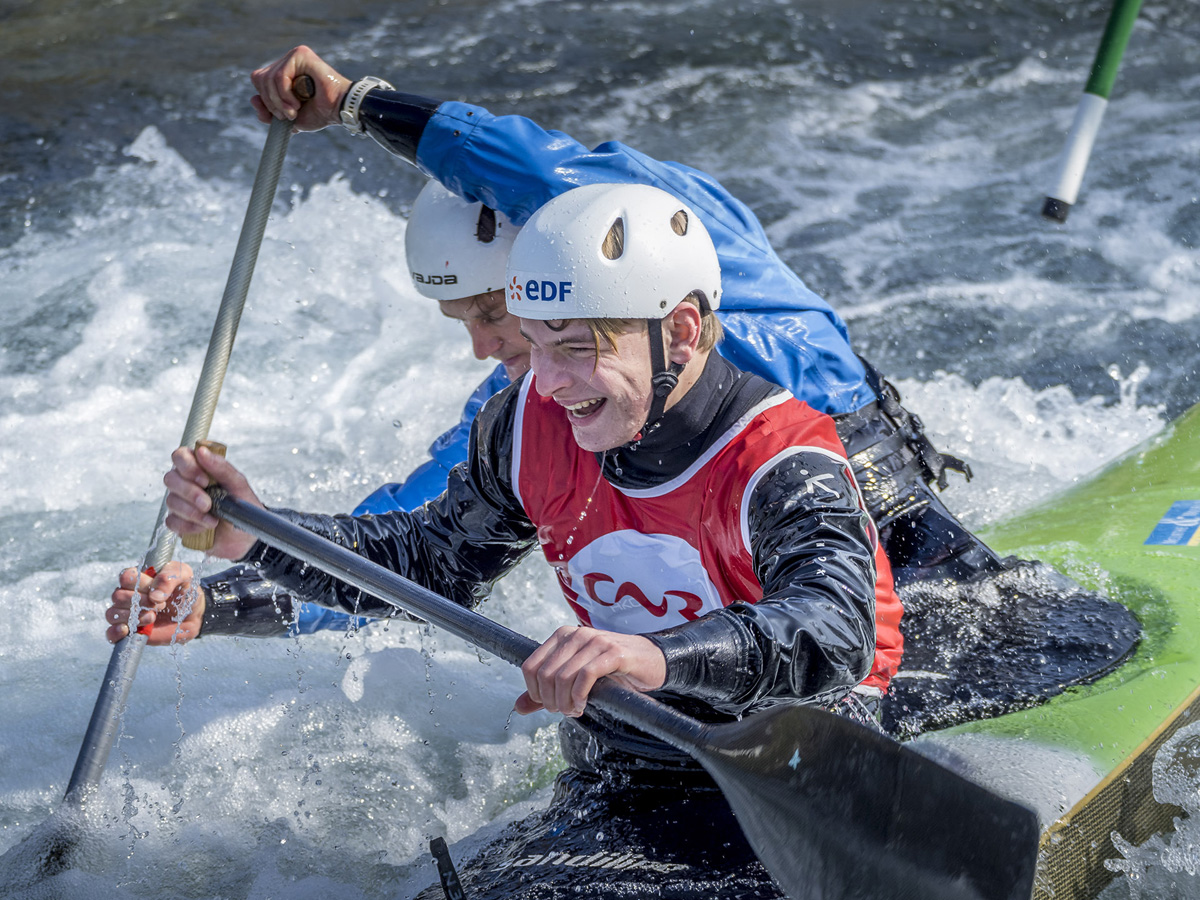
x=354 y=98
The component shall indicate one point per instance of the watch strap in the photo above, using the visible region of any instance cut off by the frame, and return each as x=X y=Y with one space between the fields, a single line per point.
x=353 y=100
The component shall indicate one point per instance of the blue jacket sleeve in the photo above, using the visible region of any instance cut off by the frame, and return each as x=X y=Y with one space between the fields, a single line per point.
x=312 y=618
x=775 y=326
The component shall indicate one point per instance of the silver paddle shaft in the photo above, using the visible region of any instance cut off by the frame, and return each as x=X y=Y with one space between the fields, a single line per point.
x=105 y=723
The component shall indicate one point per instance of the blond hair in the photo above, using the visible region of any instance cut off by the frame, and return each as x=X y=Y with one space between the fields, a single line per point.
x=711 y=330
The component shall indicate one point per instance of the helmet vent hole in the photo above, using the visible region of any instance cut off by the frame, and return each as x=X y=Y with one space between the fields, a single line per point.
x=485 y=228
x=614 y=241
x=679 y=223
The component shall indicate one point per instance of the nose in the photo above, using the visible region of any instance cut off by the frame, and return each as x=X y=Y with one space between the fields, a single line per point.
x=484 y=340
x=549 y=375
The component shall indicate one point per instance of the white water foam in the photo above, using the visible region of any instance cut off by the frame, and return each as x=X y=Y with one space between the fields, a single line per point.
x=1023 y=445
x=353 y=749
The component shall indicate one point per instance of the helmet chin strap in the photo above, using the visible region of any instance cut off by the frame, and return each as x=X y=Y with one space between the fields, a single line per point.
x=663 y=377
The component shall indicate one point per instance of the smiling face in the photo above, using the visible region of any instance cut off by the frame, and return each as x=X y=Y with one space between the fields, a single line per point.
x=494 y=332
x=605 y=393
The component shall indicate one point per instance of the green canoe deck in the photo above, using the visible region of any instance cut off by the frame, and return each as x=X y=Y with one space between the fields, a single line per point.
x=1096 y=532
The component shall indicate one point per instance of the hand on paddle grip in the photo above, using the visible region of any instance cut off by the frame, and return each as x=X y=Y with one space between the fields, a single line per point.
x=560 y=674
x=301 y=88
x=190 y=507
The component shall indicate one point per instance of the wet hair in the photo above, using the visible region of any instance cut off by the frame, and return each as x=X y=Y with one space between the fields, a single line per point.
x=614 y=242
x=487 y=302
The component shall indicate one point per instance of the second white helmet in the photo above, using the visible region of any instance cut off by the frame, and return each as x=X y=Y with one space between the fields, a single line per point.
x=657 y=253
x=455 y=248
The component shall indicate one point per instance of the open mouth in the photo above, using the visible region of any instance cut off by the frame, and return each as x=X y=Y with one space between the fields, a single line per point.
x=585 y=408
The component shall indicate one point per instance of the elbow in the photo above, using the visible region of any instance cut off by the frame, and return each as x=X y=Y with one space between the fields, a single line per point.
x=840 y=660
x=864 y=657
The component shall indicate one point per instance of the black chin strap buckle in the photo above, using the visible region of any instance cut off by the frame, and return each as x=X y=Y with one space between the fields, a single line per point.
x=661 y=383
x=664 y=383
x=451 y=886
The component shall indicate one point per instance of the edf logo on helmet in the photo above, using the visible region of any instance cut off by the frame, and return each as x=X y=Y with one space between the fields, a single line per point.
x=533 y=289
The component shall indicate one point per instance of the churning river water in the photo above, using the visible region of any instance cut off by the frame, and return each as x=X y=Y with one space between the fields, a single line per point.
x=898 y=153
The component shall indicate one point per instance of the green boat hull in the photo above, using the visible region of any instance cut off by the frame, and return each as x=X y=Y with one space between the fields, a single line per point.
x=1097 y=533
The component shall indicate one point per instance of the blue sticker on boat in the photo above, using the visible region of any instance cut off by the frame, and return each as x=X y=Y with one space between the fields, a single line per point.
x=1180 y=527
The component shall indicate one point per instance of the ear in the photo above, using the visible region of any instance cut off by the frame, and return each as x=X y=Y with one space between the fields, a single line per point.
x=681 y=328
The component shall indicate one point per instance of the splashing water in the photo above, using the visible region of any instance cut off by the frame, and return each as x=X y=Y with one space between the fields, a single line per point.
x=1166 y=868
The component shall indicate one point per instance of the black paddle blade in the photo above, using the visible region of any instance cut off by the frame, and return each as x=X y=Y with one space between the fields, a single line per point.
x=836 y=810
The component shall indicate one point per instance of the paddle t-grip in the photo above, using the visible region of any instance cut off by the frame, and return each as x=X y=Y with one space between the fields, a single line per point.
x=204 y=540
x=304 y=88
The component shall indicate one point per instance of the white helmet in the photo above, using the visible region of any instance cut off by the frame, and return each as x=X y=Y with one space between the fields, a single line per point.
x=456 y=249
x=558 y=268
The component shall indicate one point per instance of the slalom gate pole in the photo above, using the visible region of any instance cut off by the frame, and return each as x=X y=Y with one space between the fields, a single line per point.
x=1090 y=111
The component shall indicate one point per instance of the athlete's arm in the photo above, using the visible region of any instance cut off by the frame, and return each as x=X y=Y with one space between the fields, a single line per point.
x=775 y=326
x=514 y=165
x=239 y=601
x=456 y=545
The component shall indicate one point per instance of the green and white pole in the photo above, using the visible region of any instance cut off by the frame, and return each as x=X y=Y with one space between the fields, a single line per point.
x=1091 y=109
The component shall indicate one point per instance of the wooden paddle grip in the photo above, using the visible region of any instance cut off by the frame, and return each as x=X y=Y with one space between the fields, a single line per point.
x=203 y=540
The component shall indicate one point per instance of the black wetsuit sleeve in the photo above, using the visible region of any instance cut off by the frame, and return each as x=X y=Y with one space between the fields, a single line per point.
x=240 y=601
x=812 y=636
x=396 y=120
x=456 y=545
